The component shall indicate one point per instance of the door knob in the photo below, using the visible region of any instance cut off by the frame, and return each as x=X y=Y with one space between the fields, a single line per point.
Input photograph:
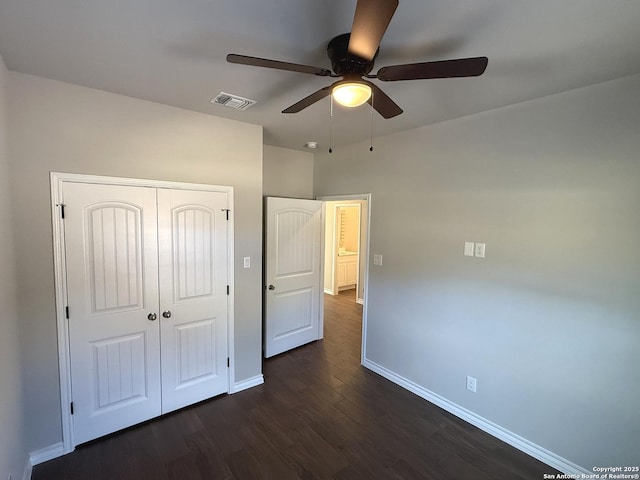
x=166 y=314
x=271 y=287
x=152 y=317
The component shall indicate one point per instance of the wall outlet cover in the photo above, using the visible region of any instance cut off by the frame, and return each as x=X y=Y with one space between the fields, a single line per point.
x=377 y=259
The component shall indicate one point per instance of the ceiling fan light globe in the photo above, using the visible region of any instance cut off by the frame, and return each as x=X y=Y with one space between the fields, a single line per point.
x=351 y=94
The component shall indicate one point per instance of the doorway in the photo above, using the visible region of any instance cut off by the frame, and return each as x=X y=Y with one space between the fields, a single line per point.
x=343 y=250
x=346 y=258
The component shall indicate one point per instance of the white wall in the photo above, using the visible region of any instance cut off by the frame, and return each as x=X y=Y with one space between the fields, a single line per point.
x=549 y=321
x=13 y=454
x=60 y=127
x=287 y=173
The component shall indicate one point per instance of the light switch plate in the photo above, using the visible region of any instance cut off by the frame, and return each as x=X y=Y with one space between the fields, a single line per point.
x=377 y=259
x=480 y=248
x=469 y=249
x=247 y=262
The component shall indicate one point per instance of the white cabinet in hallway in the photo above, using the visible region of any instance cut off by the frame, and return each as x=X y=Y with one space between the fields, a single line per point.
x=347 y=273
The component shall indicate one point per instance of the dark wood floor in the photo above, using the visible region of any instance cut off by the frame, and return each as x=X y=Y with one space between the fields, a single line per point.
x=319 y=415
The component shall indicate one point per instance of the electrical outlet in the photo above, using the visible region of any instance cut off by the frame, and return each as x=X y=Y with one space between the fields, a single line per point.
x=472 y=383
x=480 y=249
x=377 y=260
x=247 y=262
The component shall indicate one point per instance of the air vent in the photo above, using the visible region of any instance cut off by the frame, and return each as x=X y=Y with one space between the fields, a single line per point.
x=233 y=101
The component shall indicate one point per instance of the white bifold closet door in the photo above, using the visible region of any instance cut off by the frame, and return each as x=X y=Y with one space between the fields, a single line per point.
x=147 y=295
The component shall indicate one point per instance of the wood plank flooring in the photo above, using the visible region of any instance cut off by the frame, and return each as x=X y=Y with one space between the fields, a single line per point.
x=319 y=415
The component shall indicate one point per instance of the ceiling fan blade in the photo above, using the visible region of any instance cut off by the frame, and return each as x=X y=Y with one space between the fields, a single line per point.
x=462 y=67
x=381 y=102
x=265 y=62
x=370 y=21
x=310 y=100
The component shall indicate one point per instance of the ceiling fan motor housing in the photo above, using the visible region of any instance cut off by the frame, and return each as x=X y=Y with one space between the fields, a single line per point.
x=345 y=63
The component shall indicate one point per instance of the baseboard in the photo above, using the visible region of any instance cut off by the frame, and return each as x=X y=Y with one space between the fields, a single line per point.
x=491 y=428
x=328 y=291
x=360 y=301
x=346 y=287
x=47 y=453
x=40 y=456
x=248 y=383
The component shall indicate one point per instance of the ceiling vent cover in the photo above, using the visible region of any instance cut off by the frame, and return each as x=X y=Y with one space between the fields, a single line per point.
x=233 y=101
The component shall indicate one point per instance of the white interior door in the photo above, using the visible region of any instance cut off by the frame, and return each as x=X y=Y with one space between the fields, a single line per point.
x=192 y=242
x=293 y=276
x=112 y=283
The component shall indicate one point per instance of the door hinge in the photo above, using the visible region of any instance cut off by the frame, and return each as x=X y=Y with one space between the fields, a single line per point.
x=71 y=408
x=226 y=210
x=227 y=289
x=228 y=362
x=66 y=311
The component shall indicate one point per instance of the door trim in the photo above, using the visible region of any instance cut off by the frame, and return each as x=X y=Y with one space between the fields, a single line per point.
x=367 y=198
x=57 y=181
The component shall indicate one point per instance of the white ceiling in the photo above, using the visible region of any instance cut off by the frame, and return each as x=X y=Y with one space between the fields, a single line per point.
x=173 y=52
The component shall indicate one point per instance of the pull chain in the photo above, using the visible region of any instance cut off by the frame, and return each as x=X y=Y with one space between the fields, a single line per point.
x=331 y=127
x=371 y=142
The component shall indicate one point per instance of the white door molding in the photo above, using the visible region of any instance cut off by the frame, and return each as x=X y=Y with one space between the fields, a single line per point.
x=61 y=295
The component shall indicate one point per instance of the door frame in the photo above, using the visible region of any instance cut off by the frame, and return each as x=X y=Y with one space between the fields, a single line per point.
x=57 y=181
x=366 y=197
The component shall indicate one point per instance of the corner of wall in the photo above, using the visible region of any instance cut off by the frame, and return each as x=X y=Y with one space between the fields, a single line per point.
x=13 y=452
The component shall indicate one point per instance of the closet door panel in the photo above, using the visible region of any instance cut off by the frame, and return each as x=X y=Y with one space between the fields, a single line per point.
x=112 y=284
x=193 y=295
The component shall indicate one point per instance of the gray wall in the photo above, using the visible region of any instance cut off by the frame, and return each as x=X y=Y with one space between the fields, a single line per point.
x=66 y=128
x=287 y=173
x=13 y=455
x=549 y=321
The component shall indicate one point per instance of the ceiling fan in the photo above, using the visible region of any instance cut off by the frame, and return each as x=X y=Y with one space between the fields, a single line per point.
x=352 y=57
